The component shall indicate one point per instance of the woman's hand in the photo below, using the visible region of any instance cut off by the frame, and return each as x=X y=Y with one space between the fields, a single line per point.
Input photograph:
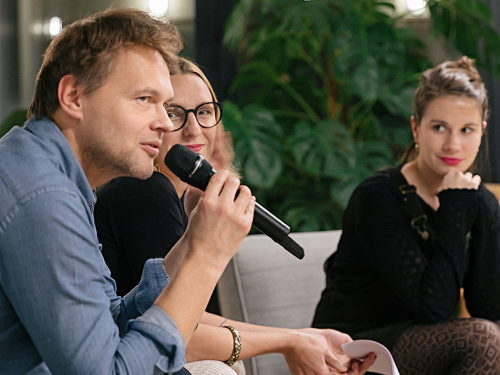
x=319 y=351
x=222 y=158
x=223 y=154
x=459 y=180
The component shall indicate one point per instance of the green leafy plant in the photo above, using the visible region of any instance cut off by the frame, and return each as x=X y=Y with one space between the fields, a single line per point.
x=326 y=90
x=15 y=118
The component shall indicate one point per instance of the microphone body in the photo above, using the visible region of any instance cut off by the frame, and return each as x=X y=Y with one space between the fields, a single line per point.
x=193 y=169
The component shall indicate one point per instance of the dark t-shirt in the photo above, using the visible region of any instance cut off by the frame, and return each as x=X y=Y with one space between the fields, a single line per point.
x=383 y=276
x=137 y=220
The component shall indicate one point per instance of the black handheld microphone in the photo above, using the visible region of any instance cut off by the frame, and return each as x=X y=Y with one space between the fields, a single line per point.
x=194 y=170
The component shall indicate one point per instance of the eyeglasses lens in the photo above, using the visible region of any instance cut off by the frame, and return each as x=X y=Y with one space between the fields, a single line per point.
x=207 y=115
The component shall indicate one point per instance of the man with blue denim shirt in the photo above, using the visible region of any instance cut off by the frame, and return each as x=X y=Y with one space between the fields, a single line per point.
x=98 y=113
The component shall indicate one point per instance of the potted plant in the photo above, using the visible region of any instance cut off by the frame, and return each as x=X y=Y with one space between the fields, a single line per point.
x=325 y=89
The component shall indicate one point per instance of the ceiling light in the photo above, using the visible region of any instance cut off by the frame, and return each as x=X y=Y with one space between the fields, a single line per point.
x=55 y=26
x=158 y=7
x=416 y=6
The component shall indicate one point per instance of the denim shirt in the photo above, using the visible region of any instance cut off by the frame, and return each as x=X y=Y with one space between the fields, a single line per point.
x=59 y=313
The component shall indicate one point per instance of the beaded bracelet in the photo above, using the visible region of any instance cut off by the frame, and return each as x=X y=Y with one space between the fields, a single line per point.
x=236 y=348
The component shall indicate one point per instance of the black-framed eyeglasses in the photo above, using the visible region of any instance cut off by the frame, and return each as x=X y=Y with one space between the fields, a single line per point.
x=207 y=115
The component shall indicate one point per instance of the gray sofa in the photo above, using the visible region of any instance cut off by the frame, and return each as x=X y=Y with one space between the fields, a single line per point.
x=264 y=284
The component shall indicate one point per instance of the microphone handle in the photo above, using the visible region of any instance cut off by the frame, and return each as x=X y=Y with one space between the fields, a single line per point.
x=273 y=227
x=263 y=220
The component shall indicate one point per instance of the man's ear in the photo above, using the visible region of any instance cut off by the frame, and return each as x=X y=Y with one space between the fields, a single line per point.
x=69 y=94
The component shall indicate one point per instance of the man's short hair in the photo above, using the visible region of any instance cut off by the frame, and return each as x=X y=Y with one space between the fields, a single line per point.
x=86 y=49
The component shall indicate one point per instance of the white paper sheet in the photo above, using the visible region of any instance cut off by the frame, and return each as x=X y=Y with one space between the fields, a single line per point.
x=359 y=349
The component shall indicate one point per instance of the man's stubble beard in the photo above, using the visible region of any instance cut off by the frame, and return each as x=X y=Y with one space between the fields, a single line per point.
x=115 y=165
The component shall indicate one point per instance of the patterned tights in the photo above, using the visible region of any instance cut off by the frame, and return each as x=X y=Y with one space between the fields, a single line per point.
x=458 y=347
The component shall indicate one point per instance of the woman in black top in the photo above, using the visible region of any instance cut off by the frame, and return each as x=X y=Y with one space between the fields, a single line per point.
x=141 y=219
x=150 y=214
x=399 y=283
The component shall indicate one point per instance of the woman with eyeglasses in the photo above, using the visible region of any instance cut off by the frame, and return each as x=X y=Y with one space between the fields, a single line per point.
x=141 y=219
x=128 y=208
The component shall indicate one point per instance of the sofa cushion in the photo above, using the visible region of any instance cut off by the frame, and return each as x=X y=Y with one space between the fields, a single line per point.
x=265 y=285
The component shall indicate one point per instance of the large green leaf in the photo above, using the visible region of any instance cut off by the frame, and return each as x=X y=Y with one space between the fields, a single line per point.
x=308 y=207
x=398 y=100
x=236 y=25
x=341 y=191
x=370 y=156
x=16 y=118
x=368 y=79
x=257 y=142
x=323 y=150
x=468 y=25
x=257 y=73
x=339 y=78
x=312 y=215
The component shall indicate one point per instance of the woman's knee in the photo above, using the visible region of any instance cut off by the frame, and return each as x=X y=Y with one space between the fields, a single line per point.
x=482 y=330
x=478 y=343
x=464 y=346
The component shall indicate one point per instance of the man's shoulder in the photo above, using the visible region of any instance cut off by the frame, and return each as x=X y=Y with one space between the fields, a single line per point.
x=28 y=168
x=26 y=160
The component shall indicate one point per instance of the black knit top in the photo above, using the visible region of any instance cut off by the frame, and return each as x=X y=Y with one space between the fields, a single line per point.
x=137 y=220
x=383 y=276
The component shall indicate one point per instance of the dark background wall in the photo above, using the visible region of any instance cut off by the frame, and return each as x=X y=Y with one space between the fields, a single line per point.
x=218 y=64
x=9 y=78
x=493 y=86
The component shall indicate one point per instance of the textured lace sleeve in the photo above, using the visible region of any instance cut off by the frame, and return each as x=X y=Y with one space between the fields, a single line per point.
x=482 y=281
x=426 y=278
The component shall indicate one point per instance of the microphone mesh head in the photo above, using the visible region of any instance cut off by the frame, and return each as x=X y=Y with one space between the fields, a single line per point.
x=182 y=161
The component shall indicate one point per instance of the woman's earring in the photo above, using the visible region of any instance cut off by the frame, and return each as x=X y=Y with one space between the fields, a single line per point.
x=417 y=147
x=156 y=167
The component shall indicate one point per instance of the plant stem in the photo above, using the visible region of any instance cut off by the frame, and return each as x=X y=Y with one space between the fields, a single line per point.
x=300 y=100
x=307 y=58
x=333 y=102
